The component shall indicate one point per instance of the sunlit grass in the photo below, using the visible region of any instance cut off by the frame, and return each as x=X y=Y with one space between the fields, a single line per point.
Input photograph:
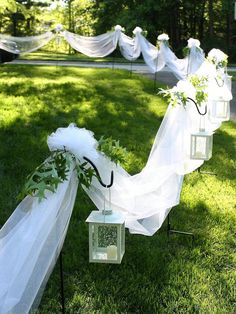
x=75 y=56
x=156 y=276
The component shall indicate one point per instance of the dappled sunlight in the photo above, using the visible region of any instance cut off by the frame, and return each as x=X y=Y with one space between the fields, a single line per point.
x=34 y=102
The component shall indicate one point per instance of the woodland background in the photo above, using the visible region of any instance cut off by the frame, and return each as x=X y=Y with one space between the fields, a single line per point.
x=212 y=22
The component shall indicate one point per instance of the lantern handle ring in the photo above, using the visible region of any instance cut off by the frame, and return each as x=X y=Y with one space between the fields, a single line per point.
x=98 y=174
x=220 y=85
x=202 y=114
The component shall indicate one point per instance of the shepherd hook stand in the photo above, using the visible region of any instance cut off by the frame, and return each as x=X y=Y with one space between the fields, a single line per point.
x=169 y=230
x=62 y=284
x=60 y=256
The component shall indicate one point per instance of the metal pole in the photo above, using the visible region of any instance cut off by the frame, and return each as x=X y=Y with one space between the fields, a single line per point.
x=113 y=63
x=169 y=230
x=155 y=82
x=62 y=285
x=168 y=225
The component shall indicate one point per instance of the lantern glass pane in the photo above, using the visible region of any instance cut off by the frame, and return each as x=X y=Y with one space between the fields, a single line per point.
x=122 y=240
x=229 y=82
x=104 y=242
x=201 y=146
x=107 y=235
x=221 y=110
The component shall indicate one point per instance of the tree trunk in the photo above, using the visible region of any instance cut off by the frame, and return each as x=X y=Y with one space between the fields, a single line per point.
x=174 y=24
x=210 y=15
x=14 y=24
x=229 y=23
x=201 y=21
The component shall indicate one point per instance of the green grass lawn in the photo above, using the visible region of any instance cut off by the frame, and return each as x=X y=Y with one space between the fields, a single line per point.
x=233 y=74
x=156 y=275
x=49 y=55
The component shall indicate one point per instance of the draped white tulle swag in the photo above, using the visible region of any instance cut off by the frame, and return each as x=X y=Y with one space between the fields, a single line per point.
x=32 y=238
x=103 y=45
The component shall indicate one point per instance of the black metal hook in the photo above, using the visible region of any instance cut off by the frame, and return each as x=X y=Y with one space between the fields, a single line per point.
x=218 y=82
x=98 y=174
x=202 y=114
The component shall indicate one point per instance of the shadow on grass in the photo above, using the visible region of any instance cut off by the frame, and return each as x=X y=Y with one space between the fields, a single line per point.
x=223 y=161
x=154 y=277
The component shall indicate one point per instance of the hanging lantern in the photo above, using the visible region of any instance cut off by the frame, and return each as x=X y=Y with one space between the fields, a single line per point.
x=220 y=110
x=228 y=82
x=106 y=237
x=201 y=145
x=201 y=142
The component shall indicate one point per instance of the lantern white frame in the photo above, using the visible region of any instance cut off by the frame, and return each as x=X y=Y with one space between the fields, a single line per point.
x=201 y=145
x=228 y=82
x=111 y=252
x=220 y=110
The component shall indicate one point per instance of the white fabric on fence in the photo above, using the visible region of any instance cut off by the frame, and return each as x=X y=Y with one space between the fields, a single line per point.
x=18 y=45
x=104 y=44
x=31 y=239
x=97 y=46
x=182 y=67
x=30 y=243
x=151 y=55
x=129 y=47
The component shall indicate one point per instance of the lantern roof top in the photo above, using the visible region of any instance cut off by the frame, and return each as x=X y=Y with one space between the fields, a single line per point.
x=203 y=133
x=97 y=216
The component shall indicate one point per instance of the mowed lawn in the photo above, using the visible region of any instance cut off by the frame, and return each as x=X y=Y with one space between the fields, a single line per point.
x=157 y=275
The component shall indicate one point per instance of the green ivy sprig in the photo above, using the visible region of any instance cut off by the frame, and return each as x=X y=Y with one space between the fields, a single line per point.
x=218 y=58
x=174 y=96
x=112 y=149
x=55 y=169
x=200 y=84
x=186 y=51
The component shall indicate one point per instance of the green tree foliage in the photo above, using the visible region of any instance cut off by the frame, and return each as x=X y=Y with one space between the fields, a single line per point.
x=8 y=5
x=212 y=22
x=209 y=21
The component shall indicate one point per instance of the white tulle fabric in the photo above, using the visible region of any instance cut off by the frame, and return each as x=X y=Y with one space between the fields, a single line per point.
x=104 y=44
x=19 y=45
x=182 y=67
x=131 y=48
x=30 y=242
x=97 y=46
x=32 y=238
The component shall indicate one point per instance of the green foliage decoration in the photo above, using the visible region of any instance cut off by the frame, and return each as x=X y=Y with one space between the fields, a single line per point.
x=55 y=169
x=48 y=175
x=200 y=84
x=179 y=95
x=186 y=50
x=112 y=149
x=174 y=96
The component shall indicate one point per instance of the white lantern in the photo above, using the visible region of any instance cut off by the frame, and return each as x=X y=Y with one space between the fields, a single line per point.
x=106 y=237
x=201 y=145
x=228 y=82
x=220 y=110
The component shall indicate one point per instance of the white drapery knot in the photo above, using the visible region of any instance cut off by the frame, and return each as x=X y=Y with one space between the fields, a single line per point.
x=59 y=28
x=78 y=141
x=186 y=87
x=193 y=43
x=163 y=37
x=217 y=55
x=137 y=30
x=119 y=28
